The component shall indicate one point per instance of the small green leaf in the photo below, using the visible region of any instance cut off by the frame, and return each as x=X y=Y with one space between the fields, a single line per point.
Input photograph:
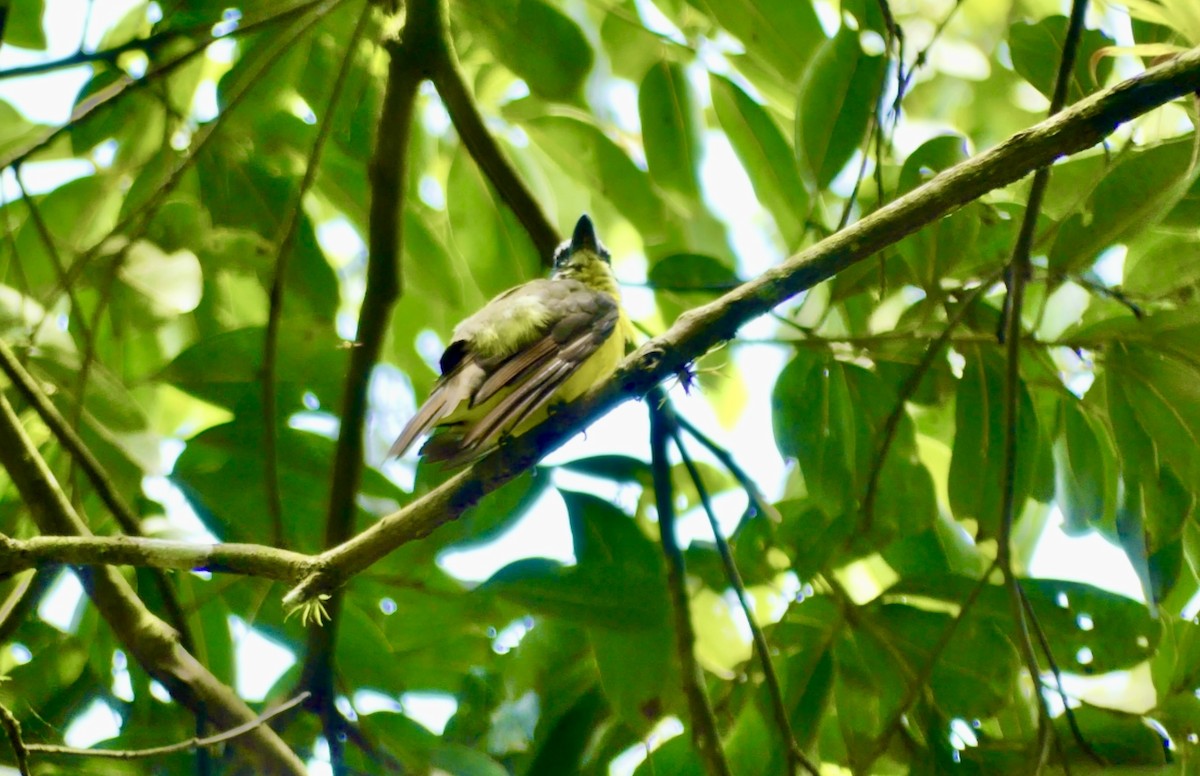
x=498 y=250
x=170 y=281
x=938 y=249
x=814 y=421
x=671 y=129
x=1164 y=392
x=977 y=461
x=16 y=132
x=618 y=468
x=1085 y=465
x=631 y=48
x=782 y=33
x=837 y=97
x=23 y=27
x=591 y=158
x=1117 y=632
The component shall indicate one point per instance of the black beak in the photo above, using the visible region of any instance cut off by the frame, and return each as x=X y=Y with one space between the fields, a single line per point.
x=585 y=236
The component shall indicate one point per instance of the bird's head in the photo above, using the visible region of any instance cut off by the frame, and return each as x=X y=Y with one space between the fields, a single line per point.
x=584 y=258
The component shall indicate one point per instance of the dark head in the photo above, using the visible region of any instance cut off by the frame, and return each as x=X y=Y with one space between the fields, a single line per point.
x=584 y=258
x=584 y=245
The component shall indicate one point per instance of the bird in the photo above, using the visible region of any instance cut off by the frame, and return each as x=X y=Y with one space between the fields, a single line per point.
x=536 y=345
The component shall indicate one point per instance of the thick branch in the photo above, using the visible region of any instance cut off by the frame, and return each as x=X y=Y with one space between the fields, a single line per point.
x=150 y=640
x=388 y=172
x=700 y=329
x=249 y=559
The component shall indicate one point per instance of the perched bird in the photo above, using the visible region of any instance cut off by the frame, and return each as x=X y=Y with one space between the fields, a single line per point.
x=541 y=343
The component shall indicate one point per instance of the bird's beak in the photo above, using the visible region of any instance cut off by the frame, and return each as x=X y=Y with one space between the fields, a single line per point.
x=585 y=236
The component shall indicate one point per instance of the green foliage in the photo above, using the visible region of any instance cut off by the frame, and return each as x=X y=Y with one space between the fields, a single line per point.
x=708 y=139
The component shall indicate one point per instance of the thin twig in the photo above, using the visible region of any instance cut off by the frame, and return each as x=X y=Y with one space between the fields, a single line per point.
x=795 y=755
x=110 y=55
x=126 y=84
x=182 y=746
x=56 y=260
x=704 y=723
x=722 y=455
x=12 y=728
x=1019 y=272
x=1100 y=289
x=283 y=256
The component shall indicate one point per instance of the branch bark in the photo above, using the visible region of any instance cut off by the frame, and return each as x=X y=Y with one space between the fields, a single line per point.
x=249 y=559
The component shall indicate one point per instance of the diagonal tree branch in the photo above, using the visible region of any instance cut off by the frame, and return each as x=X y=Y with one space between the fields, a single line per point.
x=699 y=329
x=452 y=86
x=150 y=640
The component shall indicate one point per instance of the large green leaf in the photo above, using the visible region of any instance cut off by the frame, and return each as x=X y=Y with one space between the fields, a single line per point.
x=814 y=421
x=538 y=42
x=1138 y=191
x=586 y=153
x=1089 y=630
x=837 y=97
x=1085 y=469
x=780 y=33
x=498 y=251
x=23 y=25
x=764 y=152
x=939 y=248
